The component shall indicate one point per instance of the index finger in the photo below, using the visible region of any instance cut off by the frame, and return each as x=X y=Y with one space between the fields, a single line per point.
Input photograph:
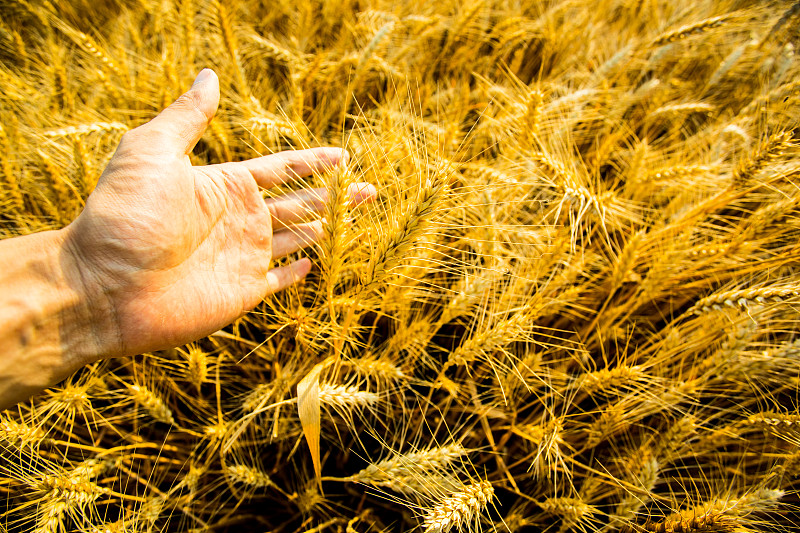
x=274 y=169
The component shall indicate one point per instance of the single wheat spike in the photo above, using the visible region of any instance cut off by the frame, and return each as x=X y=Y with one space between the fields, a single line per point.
x=547 y=438
x=19 y=434
x=65 y=493
x=691 y=29
x=728 y=358
x=760 y=499
x=786 y=17
x=462 y=24
x=343 y=397
x=276 y=128
x=20 y=48
x=10 y=183
x=70 y=398
x=225 y=25
x=92 y=468
x=705 y=523
x=459 y=510
x=533 y=110
x=89 y=45
x=371 y=20
x=681 y=109
x=676 y=172
x=675 y=438
x=220 y=135
x=770 y=213
x=196 y=366
x=744 y=298
x=50 y=517
x=645 y=481
x=86 y=179
x=369 y=51
x=780 y=94
x=187 y=13
x=553 y=168
x=729 y=62
x=572 y=510
x=275 y=51
x=257 y=396
x=151 y=509
x=85 y=129
x=784 y=425
x=154 y=405
x=634 y=175
x=608 y=380
x=487 y=175
x=410 y=226
x=61 y=90
x=247 y=475
x=472 y=289
x=613 y=419
x=768 y=151
x=412 y=336
x=706 y=251
x=484 y=342
x=62 y=190
x=605 y=70
x=332 y=246
x=626 y=261
x=412 y=472
x=370 y=367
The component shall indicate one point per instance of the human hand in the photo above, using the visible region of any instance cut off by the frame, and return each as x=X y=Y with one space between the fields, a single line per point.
x=168 y=252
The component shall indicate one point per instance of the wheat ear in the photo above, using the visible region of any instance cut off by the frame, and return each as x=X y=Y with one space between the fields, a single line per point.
x=460 y=509
x=691 y=29
x=154 y=405
x=744 y=298
x=411 y=472
x=768 y=151
x=393 y=247
x=11 y=187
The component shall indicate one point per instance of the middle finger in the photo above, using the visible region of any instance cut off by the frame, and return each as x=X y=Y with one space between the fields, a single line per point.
x=305 y=204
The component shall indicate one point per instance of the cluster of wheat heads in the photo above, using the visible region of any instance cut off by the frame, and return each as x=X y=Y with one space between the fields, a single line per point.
x=574 y=306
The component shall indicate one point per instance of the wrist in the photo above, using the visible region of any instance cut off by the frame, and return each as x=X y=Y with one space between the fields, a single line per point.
x=48 y=321
x=95 y=333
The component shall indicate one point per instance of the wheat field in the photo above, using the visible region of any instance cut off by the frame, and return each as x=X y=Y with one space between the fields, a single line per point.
x=574 y=306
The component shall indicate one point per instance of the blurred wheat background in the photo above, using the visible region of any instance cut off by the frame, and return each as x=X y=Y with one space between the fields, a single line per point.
x=574 y=306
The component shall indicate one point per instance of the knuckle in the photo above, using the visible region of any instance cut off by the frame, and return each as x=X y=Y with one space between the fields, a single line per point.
x=130 y=137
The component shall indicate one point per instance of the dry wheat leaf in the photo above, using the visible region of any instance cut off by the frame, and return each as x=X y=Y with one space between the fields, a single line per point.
x=308 y=410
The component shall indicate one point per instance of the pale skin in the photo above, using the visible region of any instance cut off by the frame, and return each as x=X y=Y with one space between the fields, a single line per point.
x=163 y=253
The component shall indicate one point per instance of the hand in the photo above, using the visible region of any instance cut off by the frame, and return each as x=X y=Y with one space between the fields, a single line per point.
x=168 y=253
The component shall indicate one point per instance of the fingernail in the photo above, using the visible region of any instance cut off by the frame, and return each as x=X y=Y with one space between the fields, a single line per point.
x=203 y=76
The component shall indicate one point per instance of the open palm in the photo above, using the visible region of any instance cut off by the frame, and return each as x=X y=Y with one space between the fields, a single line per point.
x=174 y=252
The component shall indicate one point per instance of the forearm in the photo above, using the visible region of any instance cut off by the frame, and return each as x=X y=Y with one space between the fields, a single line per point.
x=46 y=325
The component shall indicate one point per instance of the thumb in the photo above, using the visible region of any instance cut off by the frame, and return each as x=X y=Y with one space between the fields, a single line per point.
x=185 y=120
